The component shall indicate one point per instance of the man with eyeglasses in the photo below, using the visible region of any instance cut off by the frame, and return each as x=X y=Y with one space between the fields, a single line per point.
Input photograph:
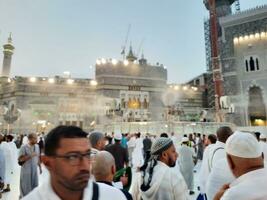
x=68 y=160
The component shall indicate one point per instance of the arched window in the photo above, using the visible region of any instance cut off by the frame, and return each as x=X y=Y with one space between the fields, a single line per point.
x=252 y=64
x=247 y=65
x=257 y=64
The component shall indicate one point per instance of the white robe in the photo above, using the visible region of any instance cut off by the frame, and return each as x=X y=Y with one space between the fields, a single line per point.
x=186 y=164
x=220 y=174
x=216 y=153
x=166 y=184
x=2 y=165
x=45 y=192
x=9 y=161
x=204 y=170
x=250 y=186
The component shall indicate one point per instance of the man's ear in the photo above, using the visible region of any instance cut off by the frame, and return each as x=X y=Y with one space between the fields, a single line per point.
x=113 y=169
x=230 y=162
x=47 y=161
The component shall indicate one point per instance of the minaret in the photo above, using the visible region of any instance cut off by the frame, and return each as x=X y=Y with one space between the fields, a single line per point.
x=130 y=57
x=8 y=52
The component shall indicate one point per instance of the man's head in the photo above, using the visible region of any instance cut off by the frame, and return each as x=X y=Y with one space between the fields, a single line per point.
x=104 y=167
x=165 y=151
x=117 y=137
x=9 y=138
x=32 y=137
x=212 y=139
x=67 y=157
x=97 y=140
x=244 y=153
x=223 y=133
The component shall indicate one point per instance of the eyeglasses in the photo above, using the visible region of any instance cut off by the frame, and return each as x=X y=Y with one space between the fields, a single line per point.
x=75 y=158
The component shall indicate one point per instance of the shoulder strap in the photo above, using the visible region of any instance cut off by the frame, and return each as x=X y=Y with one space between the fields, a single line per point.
x=95 y=191
x=127 y=194
x=211 y=160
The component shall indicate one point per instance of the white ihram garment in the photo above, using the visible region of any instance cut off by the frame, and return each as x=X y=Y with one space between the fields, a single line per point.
x=166 y=184
x=220 y=174
x=204 y=170
x=250 y=186
x=45 y=192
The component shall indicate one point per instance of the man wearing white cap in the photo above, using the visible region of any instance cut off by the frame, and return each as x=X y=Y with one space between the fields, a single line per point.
x=186 y=164
x=119 y=153
x=161 y=181
x=245 y=159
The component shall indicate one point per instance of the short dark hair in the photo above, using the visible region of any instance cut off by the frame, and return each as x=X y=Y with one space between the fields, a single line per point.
x=164 y=135
x=257 y=134
x=53 y=138
x=212 y=138
x=223 y=133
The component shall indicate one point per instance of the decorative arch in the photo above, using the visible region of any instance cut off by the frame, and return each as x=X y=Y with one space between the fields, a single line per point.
x=256 y=105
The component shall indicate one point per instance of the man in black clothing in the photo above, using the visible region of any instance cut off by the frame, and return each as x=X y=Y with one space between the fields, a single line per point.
x=119 y=153
x=147 y=143
x=104 y=170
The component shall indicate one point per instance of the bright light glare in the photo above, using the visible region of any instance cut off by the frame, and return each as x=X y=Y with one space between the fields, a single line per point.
x=32 y=79
x=93 y=82
x=185 y=88
x=51 y=80
x=104 y=61
x=70 y=81
x=114 y=62
x=98 y=62
x=126 y=62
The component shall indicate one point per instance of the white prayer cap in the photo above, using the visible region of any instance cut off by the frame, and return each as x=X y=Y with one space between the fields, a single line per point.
x=263 y=136
x=185 y=139
x=160 y=145
x=117 y=136
x=243 y=145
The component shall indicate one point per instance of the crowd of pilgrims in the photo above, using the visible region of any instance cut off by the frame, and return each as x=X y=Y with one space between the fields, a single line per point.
x=135 y=166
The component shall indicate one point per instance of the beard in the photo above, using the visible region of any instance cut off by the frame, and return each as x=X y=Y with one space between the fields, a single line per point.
x=171 y=163
x=77 y=182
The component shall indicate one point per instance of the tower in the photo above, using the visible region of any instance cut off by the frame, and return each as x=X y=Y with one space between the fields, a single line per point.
x=217 y=9
x=130 y=57
x=8 y=52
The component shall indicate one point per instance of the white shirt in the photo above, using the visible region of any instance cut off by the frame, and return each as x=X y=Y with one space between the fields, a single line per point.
x=250 y=186
x=220 y=174
x=45 y=192
x=166 y=184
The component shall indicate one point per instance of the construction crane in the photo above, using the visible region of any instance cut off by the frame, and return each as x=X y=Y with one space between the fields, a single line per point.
x=215 y=60
x=123 y=51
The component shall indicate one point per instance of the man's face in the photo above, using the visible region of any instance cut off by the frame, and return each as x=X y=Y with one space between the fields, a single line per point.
x=102 y=144
x=33 y=140
x=73 y=174
x=171 y=156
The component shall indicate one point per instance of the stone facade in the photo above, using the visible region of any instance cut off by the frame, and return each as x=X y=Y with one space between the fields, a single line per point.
x=243 y=49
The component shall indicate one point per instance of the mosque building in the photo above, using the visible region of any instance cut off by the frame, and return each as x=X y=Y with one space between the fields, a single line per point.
x=122 y=91
x=243 y=56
